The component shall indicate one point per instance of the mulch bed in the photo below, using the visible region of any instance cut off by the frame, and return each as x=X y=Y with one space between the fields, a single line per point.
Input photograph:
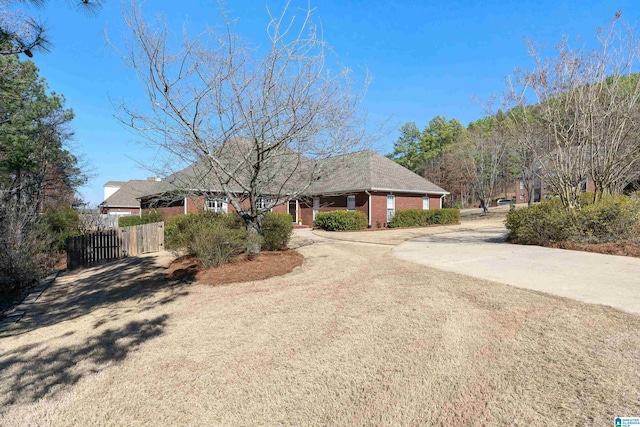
x=622 y=248
x=264 y=266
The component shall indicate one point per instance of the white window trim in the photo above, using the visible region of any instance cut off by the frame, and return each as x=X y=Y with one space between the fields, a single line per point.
x=425 y=203
x=262 y=202
x=216 y=203
x=297 y=210
x=391 y=206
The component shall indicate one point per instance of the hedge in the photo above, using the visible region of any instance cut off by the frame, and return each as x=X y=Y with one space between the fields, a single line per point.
x=423 y=218
x=614 y=218
x=148 y=216
x=341 y=220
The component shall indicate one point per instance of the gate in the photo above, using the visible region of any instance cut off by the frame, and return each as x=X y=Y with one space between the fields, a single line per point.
x=95 y=248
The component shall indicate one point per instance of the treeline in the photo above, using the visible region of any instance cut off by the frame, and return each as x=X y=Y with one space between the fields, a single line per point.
x=573 y=118
x=38 y=175
x=474 y=163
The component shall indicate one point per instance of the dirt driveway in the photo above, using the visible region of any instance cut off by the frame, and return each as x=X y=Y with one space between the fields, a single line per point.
x=354 y=336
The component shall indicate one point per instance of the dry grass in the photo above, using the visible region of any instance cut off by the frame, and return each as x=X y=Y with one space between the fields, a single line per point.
x=621 y=248
x=354 y=336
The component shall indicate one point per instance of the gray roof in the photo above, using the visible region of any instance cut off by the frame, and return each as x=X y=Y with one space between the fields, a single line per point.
x=359 y=171
x=115 y=183
x=127 y=195
x=369 y=170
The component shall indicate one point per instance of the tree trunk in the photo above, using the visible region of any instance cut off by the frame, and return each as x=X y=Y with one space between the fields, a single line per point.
x=254 y=238
x=483 y=205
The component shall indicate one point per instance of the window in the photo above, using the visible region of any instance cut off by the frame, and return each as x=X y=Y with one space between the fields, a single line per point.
x=522 y=197
x=522 y=185
x=262 y=202
x=216 y=203
x=351 y=203
x=425 y=203
x=391 y=206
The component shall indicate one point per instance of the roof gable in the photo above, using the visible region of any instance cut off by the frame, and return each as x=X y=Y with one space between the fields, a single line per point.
x=127 y=194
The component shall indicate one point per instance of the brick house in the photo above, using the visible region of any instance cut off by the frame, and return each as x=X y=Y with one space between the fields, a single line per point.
x=539 y=191
x=365 y=181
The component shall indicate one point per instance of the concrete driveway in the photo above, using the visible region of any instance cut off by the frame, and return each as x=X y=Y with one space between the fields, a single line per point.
x=588 y=277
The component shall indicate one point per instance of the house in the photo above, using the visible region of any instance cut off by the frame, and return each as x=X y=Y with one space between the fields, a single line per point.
x=539 y=191
x=365 y=181
x=121 y=198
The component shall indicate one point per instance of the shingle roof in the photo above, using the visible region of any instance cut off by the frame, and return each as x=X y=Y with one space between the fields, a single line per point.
x=115 y=183
x=369 y=170
x=359 y=171
x=128 y=193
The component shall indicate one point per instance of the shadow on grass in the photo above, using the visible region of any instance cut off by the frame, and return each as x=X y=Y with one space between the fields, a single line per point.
x=477 y=236
x=131 y=285
x=33 y=371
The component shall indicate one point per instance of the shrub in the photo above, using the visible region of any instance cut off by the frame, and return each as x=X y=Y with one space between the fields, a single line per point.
x=341 y=220
x=129 y=221
x=446 y=216
x=147 y=216
x=181 y=229
x=612 y=218
x=539 y=224
x=276 y=231
x=423 y=218
x=57 y=225
x=150 y=216
x=215 y=244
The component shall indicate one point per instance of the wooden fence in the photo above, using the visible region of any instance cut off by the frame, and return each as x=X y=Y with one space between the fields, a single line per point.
x=94 y=248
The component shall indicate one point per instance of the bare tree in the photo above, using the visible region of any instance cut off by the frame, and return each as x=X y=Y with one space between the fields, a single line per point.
x=485 y=151
x=521 y=126
x=583 y=119
x=255 y=122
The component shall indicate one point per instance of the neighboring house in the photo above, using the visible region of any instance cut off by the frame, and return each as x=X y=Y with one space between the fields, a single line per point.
x=365 y=181
x=539 y=191
x=121 y=198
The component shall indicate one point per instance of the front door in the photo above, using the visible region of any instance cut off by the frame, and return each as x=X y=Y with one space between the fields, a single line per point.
x=293 y=210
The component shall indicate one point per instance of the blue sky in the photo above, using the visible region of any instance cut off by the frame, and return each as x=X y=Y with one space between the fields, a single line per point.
x=427 y=58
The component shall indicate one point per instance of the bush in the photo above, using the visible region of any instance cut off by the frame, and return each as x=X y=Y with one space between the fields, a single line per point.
x=129 y=221
x=215 y=244
x=611 y=219
x=539 y=224
x=57 y=225
x=147 y=216
x=341 y=220
x=423 y=218
x=276 y=231
x=181 y=229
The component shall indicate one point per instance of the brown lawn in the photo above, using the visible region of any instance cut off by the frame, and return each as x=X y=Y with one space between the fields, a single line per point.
x=354 y=336
x=622 y=248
